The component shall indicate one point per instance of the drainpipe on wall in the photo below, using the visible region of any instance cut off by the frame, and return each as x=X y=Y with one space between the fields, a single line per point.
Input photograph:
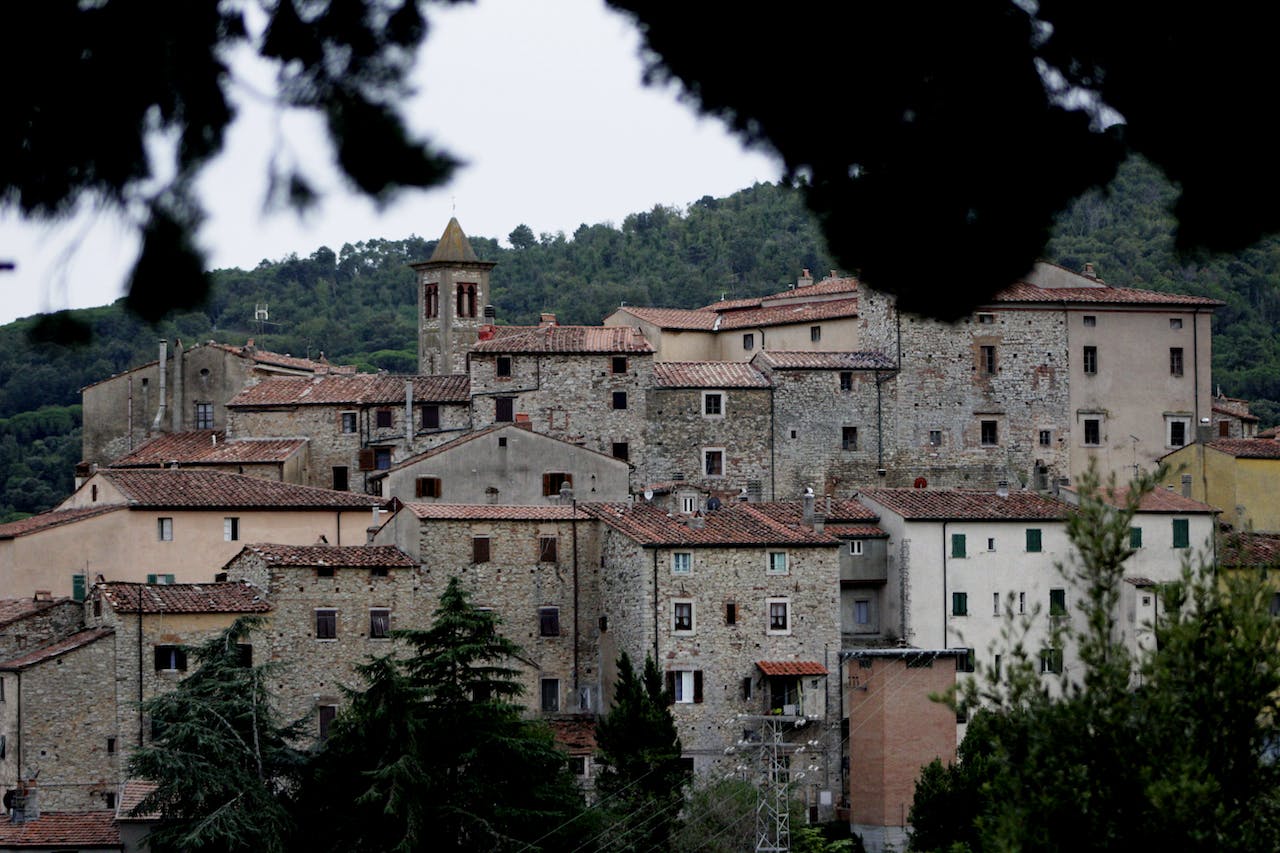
x=944 y=584
x=656 y=659
x=130 y=413
x=140 y=732
x=576 y=632
x=408 y=416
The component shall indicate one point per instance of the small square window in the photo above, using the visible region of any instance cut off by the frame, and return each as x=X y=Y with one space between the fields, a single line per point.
x=748 y=342
x=777 y=562
x=685 y=686
x=326 y=624
x=712 y=404
x=160 y=578
x=1090 y=320
x=503 y=366
x=779 y=616
x=713 y=462
x=231 y=529
x=382 y=458
x=986 y=319
x=1175 y=323
x=549 y=621
x=846 y=380
x=431 y=416
x=959 y=604
x=681 y=563
x=1046 y=438
x=815 y=333
x=990 y=434
x=1177 y=431
x=619 y=399
x=849 y=438
x=379 y=623
x=349 y=422
x=966 y=661
x=170 y=659
x=621 y=450
x=553 y=481
x=164 y=529
x=383 y=418
x=619 y=364
x=547 y=549
x=855 y=548
x=682 y=616
x=1090 y=360
x=479 y=549
x=1051 y=661
x=324 y=571
x=935 y=438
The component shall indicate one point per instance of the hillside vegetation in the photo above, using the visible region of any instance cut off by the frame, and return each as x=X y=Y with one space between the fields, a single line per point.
x=357 y=304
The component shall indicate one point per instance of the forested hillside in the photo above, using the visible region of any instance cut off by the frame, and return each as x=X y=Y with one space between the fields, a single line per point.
x=357 y=304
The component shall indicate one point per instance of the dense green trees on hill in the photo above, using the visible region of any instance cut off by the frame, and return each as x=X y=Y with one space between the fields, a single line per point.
x=357 y=304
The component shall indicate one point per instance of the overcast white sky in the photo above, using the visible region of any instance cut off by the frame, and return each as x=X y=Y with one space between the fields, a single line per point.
x=542 y=100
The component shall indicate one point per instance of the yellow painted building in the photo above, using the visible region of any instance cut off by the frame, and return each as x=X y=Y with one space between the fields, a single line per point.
x=1240 y=476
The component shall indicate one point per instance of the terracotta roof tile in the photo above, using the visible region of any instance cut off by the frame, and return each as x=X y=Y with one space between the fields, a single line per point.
x=791 y=667
x=1157 y=500
x=1247 y=448
x=800 y=360
x=209 y=447
x=61 y=829
x=576 y=736
x=179 y=489
x=944 y=504
x=564 y=339
x=496 y=512
x=1247 y=549
x=707 y=374
x=843 y=509
x=472 y=436
x=16 y=609
x=736 y=524
x=1270 y=432
x=1234 y=406
x=224 y=597
x=276 y=359
x=132 y=793
x=1024 y=292
x=61 y=647
x=340 y=556
x=730 y=304
x=860 y=531
x=674 y=318
x=825 y=287
x=777 y=315
x=53 y=518
x=361 y=389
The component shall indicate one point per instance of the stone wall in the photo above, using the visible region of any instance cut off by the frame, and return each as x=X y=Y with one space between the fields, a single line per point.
x=50 y=623
x=678 y=433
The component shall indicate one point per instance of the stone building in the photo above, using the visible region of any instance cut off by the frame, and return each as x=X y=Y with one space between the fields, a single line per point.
x=1232 y=418
x=30 y=623
x=185 y=389
x=281 y=459
x=333 y=608
x=453 y=298
x=506 y=464
x=354 y=425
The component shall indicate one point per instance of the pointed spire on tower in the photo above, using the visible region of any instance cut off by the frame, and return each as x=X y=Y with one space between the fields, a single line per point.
x=453 y=245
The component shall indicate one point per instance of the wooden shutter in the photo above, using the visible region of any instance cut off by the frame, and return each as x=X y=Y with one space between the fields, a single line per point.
x=697 y=686
x=671 y=688
x=368 y=460
x=546 y=485
x=480 y=549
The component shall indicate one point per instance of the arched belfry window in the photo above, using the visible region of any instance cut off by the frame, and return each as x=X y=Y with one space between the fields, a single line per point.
x=432 y=300
x=466 y=299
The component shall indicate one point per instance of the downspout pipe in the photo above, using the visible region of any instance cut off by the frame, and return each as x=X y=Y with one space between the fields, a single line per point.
x=944 y=584
x=656 y=659
x=576 y=630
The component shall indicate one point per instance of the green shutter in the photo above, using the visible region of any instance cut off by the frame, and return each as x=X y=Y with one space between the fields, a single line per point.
x=1057 y=602
x=1181 y=533
x=959 y=604
x=1135 y=537
x=957 y=544
x=151 y=578
x=1033 y=539
x=77 y=587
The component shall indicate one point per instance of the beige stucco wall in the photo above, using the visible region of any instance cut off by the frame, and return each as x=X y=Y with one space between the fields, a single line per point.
x=837 y=335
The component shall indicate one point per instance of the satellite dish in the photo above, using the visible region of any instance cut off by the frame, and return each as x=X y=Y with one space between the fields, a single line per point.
x=648 y=494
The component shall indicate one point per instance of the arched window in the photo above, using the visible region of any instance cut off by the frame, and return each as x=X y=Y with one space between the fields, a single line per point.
x=471 y=300
x=432 y=300
x=461 y=301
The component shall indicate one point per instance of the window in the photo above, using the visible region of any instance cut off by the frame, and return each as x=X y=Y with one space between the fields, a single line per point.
x=991 y=543
x=78 y=584
x=578 y=763
x=326 y=714
x=1175 y=323
x=712 y=404
x=846 y=380
x=244 y=654
x=378 y=571
x=171 y=659
x=1092 y=432
x=326 y=624
x=1175 y=361
x=1177 y=431
x=504 y=409
x=862 y=611
x=619 y=364
x=1181 y=533
x=848 y=438
x=1057 y=602
x=204 y=415
x=779 y=616
x=1135 y=537
x=815 y=333
x=987 y=319
x=548 y=621
x=681 y=563
x=1274 y=609
x=1022 y=602
x=427 y=487
x=111 y=746
x=382 y=419
x=777 y=563
x=1224 y=429
x=431 y=300
x=1090 y=360
x=957 y=545
x=231 y=529
x=379 y=623
x=547 y=549
x=503 y=366
x=990 y=434
x=731 y=613
x=382 y=458
x=1090 y=320
x=553 y=481
x=479 y=549
x=995 y=604
x=688 y=503
x=682 y=617
x=1033 y=540
x=551 y=696
x=987 y=360
x=160 y=578
x=959 y=604
x=1051 y=661
x=164 y=529
x=619 y=399
x=855 y=548
x=340 y=479
x=965 y=660
x=621 y=450
x=935 y=438
x=1046 y=438
x=685 y=686
x=431 y=416
x=348 y=422
x=748 y=341
x=713 y=462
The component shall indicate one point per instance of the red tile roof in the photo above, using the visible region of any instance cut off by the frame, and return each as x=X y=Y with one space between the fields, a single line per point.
x=730 y=304
x=15 y=609
x=439 y=449
x=53 y=650
x=340 y=556
x=575 y=736
x=61 y=829
x=224 y=597
x=1247 y=448
x=777 y=315
x=361 y=389
x=1246 y=549
x=53 y=518
x=276 y=359
x=132 y=793
x=182 y=489
x=1270 y=432
x=674 y=318
x=791 y=667
x=496 y=512
x=1235 y=407
x=843 y=509
x=946 y=504
x=209 y=447
x=707 y=374
x=1157 y=500
x=736 y=524
x=825 y=287
x=564 y=339
x=800 y=360
x=1105 y=294
x=857 y=531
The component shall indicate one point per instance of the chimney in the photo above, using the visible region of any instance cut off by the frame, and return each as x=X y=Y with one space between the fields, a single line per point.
x=248 y=348
x=1088 y=272
x=1002 y=488
x=696 y=522
x=179 y=405
x=805 y=279
x=486 y=332
x=547 y=319
x=808 y=507
x=522 y=421
x=164 y=366
x=25 y=806
x=490 y=314
x=408 y=415
x=44 y=595
x=819 y=522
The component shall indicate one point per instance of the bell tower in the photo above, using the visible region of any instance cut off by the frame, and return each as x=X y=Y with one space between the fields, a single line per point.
x=453 y=290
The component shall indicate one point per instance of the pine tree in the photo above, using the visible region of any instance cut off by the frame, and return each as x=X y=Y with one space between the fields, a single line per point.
x=221 y=760
x=641 y=786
